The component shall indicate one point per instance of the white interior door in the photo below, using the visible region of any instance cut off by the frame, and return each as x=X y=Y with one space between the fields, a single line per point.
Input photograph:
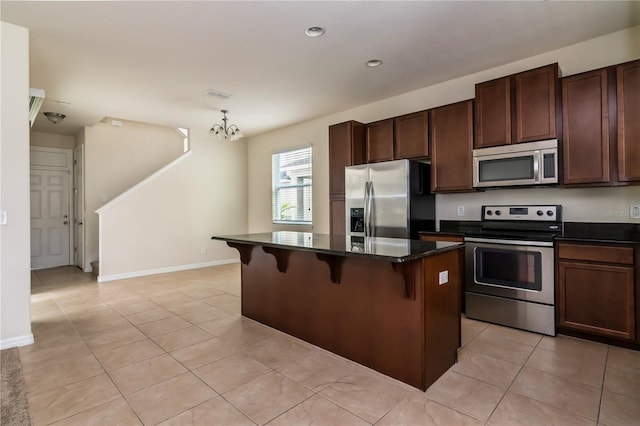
x=50 y=224
x=78 y=205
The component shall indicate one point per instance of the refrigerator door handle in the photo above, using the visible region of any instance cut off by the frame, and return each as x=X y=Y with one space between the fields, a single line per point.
x=367 y=208
x=370 y=210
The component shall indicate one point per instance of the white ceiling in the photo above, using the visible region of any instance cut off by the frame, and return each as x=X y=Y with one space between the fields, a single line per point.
x=151 y=61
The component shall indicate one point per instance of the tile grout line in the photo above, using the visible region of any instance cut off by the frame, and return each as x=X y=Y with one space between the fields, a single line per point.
x=112 y=309
x=560 y=377
x=51 y=290
x=604 y=376
x=514 y=379
x=189 y=370
x=105 y=372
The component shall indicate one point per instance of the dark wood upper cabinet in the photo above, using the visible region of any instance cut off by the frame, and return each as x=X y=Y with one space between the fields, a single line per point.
x=628 y=103
x=536 y=97
x=451 y=138
x=380 y=141
x=411 y=135
x=600 y=126
x=518 y=108
x=493 y=113
x=585 y=128
x=346 y=148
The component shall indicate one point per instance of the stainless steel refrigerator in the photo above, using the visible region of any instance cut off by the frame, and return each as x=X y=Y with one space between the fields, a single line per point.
x=389 y=199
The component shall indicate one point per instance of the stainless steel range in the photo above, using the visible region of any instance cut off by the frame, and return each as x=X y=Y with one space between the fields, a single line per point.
x=510 y=267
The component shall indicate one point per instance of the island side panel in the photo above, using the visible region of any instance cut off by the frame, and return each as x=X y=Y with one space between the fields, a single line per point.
x=366 y=317
x=442 y=312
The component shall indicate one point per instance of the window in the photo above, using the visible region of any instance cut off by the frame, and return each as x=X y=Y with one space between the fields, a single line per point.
x=291 y=183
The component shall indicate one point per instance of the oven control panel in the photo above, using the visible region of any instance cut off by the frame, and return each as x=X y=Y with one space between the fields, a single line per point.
x=545 y=213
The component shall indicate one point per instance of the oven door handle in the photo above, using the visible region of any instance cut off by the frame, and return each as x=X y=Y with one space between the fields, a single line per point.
x=508 y=242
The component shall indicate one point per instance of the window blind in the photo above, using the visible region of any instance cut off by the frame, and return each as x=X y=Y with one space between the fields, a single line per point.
x=291 y=176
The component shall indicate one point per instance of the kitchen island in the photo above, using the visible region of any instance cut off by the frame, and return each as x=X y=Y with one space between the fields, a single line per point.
x=390 y=304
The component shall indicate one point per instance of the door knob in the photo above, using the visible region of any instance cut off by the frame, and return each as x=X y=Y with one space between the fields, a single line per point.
x=66 y=222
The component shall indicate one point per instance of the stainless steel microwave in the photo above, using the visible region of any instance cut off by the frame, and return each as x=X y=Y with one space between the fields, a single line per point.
x=530 y=163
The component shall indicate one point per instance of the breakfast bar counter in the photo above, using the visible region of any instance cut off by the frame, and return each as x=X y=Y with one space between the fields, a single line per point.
x=390 y=304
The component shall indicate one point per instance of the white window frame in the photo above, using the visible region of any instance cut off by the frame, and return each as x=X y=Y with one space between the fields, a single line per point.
x=275 y=187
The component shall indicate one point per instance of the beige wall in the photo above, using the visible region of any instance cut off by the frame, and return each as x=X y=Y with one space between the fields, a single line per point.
x=168 y=222
x=116 y=158
x=611 y=49
x=80 y=138
x=15 y=256
x=51 y=140
x=579 y=205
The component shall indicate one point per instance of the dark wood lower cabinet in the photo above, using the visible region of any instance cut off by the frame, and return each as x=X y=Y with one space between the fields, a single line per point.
x=597 y=299
x=596 y=295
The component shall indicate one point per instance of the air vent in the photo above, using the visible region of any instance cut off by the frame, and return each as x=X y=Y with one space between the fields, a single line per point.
x=36 y=98
x=217 y=94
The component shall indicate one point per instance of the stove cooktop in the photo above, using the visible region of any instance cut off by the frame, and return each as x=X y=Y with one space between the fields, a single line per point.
x=520 y=222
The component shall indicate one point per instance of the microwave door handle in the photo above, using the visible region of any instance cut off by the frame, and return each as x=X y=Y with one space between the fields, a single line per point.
x=537 y=163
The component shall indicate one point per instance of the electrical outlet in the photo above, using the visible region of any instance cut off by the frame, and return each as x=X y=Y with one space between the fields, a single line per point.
x=203 y=250
x=460 y=210
x=634 y=211
x=443 y=277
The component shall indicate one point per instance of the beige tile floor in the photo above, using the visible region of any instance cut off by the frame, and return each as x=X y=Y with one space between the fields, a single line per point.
x=172 y=349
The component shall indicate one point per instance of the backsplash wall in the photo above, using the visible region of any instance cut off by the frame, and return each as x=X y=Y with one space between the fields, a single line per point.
x=578 y=205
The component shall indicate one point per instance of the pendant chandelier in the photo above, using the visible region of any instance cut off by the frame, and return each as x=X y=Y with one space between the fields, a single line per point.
x=224 y=132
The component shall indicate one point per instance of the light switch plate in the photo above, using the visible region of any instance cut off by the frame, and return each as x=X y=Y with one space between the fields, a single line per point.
x=634 y=211
x=3 y=217
x=443 y=277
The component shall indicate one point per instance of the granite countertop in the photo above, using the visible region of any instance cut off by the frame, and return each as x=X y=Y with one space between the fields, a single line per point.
x=396 y=250
x=595 y=232
x=601 y=232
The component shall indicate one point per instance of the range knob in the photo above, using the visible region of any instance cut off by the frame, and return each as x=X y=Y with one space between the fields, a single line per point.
x=489 y=212
x=549 y=212
x=539 y=212
x=498 y=212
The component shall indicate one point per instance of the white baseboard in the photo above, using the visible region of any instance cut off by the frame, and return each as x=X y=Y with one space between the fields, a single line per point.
x=135 y=274
x=16 y=341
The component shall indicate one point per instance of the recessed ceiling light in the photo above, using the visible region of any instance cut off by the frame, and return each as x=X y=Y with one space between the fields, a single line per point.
x=54 y=117
x=374 y=63
x=314 y=31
